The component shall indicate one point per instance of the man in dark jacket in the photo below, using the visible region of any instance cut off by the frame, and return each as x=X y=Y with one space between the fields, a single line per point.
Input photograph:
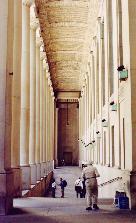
x=62 y=187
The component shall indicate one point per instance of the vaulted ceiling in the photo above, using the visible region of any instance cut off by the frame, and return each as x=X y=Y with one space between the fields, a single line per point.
x=67 y=27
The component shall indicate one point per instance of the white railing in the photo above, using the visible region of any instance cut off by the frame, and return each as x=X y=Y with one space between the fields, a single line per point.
x=110 y=181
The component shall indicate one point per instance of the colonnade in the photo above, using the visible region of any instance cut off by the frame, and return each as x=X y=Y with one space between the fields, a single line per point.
x=26 y=103
x=107 y=131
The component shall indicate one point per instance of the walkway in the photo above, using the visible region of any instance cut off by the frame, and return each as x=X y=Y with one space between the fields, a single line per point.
x=65 y=210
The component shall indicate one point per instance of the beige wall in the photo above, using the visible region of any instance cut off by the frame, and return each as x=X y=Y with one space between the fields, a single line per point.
x=68 y=134
x=117 y=138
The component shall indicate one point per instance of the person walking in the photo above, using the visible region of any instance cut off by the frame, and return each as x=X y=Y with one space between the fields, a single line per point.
x=90 y=174
x=78 y=187
x=53 y=188
x=84 y=189
x=62 y=184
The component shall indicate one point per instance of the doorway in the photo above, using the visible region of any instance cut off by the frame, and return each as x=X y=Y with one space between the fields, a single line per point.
x=67 y=158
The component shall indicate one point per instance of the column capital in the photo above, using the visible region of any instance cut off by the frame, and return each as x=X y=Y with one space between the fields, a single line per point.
x=51 y=90
x=47 y=66
x=47 y=74
x=99 y=19
x=39 y=41
x=42 y=55
x=49 y=82
x=34 y=23
x=44 y=65
x=27 y=2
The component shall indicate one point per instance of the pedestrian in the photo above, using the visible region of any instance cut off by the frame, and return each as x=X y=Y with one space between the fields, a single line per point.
x=63 y=162
x=90 y=174
x=84 y=189
x=63 y=184
x=78 y=187
x=53 y=188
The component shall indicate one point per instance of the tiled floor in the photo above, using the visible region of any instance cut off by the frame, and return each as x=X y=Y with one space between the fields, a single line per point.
x=65 y=210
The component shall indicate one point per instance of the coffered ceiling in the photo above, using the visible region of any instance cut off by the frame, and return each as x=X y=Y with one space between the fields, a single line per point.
x=67 y=27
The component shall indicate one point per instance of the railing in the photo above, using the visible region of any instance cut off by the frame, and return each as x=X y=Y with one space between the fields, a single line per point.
x=110 y=181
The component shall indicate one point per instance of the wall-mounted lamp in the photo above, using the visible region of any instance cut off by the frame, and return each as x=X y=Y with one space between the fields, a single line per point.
x=123 y=73
x=120 y=68
x=97 y=132
x=112 y=103
x=93 y=141
x=104 y=123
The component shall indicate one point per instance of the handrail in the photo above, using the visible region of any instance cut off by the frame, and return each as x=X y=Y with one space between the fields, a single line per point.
x=110 y=181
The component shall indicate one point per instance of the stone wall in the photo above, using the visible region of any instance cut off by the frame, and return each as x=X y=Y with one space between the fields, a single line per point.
x=68 y=133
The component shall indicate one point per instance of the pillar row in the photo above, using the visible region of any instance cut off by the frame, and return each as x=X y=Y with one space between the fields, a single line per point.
x=32 y=132
x=25 y=103
x=16 y=98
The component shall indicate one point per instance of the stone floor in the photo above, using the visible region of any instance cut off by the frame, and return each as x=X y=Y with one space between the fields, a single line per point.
x=65 y=210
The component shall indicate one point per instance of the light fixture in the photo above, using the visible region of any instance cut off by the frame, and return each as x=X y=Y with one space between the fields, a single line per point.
x=112 y=103
x=67 y=113
x=121 y=68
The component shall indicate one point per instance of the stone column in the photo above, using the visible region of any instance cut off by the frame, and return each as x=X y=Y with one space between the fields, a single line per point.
x=33 y=27
x=16 y=95
x=56 y=138
x=107 y=87
x=41 y=113
x=37 y=138
x=129 y=58
x=44 y=118
x=52 y=130
x=6 y=72
x=85 y=114
x=80 y=133
x=48 y=124
x=49 y=127
x=25 y=92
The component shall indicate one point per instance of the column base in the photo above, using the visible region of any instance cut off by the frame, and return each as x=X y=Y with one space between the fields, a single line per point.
x=6 y=192
x=43 y=169
x=26 y=177
x=38 y=165
x=133 y=189
x=48 y=167
x=17 y=182
x=55 y=163
x=33 y=173
x=45 y=166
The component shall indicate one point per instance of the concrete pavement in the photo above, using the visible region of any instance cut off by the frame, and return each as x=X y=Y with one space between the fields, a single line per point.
x=65 y=210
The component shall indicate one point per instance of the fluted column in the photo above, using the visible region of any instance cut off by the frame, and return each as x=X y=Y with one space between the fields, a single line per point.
x=44 y=118
x=37 y=143
x=41 y=112
x=32 y=133
x=80 y=130
x=56 y=138
x=52 y=129
x=48 y=126
x=6 y=71
x=25 y=90
x=16 y=98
